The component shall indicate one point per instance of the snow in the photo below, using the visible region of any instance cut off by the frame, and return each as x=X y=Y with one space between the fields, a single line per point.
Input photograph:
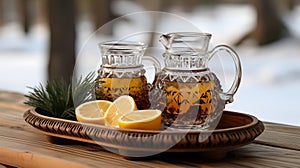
x=270 y=83
x=271 y=74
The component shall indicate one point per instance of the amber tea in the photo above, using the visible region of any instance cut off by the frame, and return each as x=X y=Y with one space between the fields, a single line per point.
x=111 y=88
x=188 y=103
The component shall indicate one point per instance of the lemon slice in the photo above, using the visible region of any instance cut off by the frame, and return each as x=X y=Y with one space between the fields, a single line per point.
x=141 y=119
x=121 y=106
x=92 y=111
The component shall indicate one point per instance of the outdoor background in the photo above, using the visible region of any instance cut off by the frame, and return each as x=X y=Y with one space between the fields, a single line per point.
x=40 y=39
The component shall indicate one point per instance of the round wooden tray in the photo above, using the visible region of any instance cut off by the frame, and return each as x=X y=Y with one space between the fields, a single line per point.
x=234 y=130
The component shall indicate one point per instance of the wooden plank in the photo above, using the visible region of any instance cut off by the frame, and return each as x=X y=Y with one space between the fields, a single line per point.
x=253 y=155
x=279 y=135
x=28 y=159
x=36 y=145
x=23 y=146
x=12 y=98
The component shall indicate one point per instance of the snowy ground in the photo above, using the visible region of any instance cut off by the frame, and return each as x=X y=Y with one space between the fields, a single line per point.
x=271 y=74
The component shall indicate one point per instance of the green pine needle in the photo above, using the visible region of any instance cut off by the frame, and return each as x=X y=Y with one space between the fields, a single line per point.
x=58 y=99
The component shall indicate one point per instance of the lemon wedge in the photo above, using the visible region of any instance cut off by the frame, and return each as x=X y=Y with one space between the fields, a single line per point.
x=122 y=105
x=92 y=111
x=141 y=119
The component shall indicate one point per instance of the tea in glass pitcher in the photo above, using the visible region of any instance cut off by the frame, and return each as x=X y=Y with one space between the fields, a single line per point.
x=191 y=101
x=191 y=95
x=122 y=72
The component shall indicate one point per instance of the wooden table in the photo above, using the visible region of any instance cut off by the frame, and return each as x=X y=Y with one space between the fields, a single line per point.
x=23 y=146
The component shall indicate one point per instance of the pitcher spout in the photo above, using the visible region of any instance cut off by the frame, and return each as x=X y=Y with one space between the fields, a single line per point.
x=195 y=41
x=165 y=39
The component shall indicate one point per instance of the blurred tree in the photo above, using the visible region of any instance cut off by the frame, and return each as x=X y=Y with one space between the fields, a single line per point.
x=1 y=13
x=269 y=26
x=24 y=8
x=101 y=13
x=39 y=11
x=62 y=39
x=291 y=4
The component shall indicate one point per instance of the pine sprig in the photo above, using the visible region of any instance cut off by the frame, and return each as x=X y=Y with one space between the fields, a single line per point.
x=57 y=98
x=84 y=89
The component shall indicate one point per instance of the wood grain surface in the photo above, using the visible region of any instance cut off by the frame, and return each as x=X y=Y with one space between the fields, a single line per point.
x=23 y=146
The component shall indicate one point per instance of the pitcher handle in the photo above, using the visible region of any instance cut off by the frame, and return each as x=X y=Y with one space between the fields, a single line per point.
x=228 y=96
x=156 y=64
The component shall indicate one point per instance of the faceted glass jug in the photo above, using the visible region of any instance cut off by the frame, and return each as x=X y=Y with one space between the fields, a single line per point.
x=187 y=92
x=122 y=72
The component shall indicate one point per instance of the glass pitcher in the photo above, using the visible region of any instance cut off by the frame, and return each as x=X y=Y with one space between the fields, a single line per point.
x=122 y=72
x=187 y=92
